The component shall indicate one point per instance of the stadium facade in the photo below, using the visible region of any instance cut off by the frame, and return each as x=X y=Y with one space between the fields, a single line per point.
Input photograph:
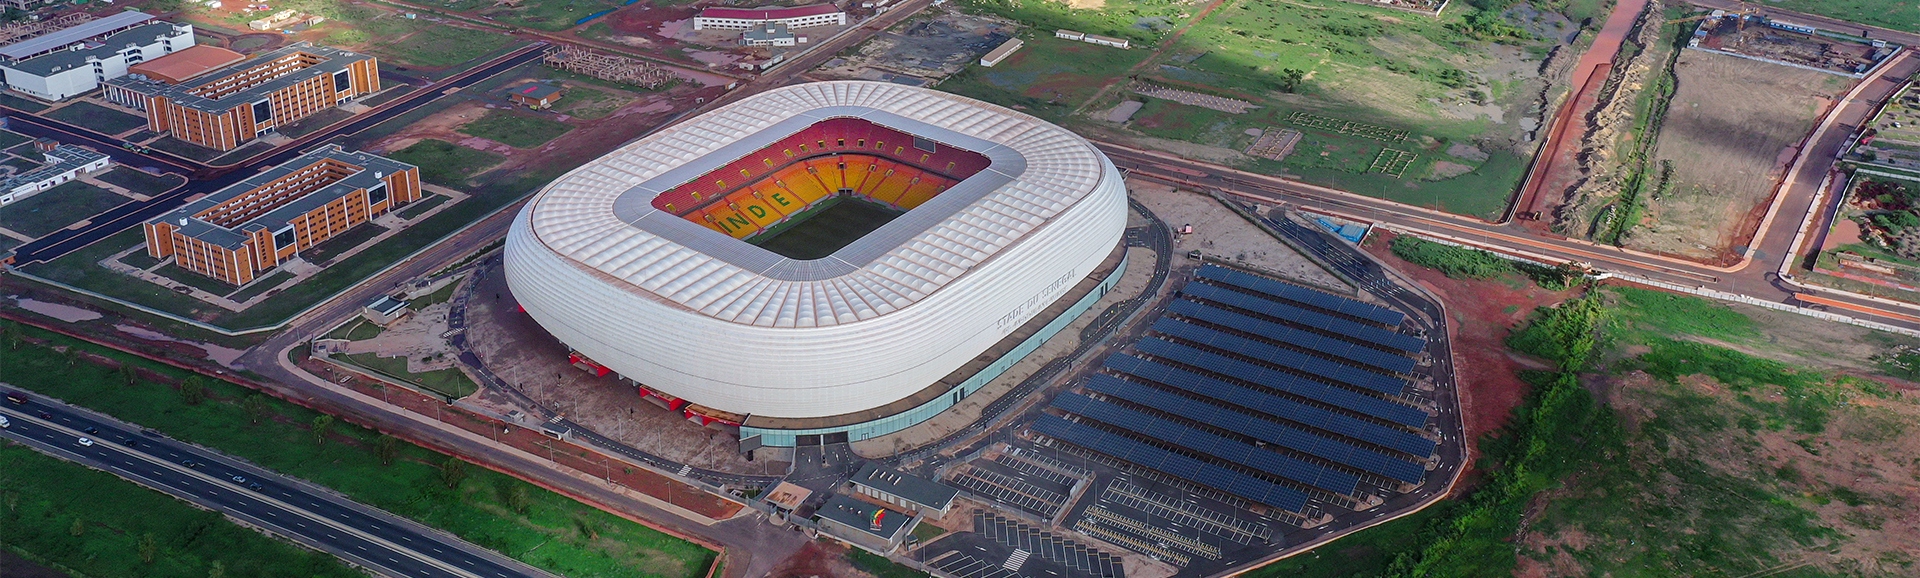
x=671 y=261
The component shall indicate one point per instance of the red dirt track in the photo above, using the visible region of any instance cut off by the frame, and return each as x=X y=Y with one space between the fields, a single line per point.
x=1554 y=168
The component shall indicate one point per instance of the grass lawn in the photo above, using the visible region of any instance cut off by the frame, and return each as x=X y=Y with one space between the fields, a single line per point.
x=583 y=102
x=97 y=117
x=82 y=269
x=260 y=285
x=357 y=329
x=139 y=181
x=1892 y=15
x=314 y=122
x=26 y=104
x=10 y=139
x=421 y=206
x=184 y=149
x=515 y=128
x=442 y=46
x=195 y=280
x=445 y=163
x=245 y=152
x=437 y=297
x=448 y=382
x=551 y=15
x=1050 y=76
x=56 y=208
x=493 y=510
x=331 y=249
x=47 y=498
x=1365 y=553
x=827 y=229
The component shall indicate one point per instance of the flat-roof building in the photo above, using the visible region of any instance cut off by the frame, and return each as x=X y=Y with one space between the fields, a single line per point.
x=79 y=67
x=916 y=494
x=237 y=232
x=64 y=163
x=225 y=109
x=63 y=38
x=748 y=18
x=1001 y=52
x=862 y=524
x=770 y=34
x=536 y=95
x=186 y=64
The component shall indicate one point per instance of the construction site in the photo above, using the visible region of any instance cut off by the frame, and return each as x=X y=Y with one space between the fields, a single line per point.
x=1790 y=43
x=924 y=50
x=607 y=67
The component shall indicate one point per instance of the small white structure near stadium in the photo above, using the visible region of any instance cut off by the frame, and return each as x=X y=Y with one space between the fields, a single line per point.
x=886 y=332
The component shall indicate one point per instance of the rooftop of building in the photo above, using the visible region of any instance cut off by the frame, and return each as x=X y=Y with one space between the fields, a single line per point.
x=61 y=38
x=860 y=516
x=536 y=91
x=186 y=64
x=331 y=60
x=372 y=169
x=387 y=305
x=767 y=32
x=770 y=13
x=52 y=62
x=908 y=487
x=61 y=159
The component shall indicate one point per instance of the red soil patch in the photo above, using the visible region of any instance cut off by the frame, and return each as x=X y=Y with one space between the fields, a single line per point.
x=642 y=19
x=1483 y=313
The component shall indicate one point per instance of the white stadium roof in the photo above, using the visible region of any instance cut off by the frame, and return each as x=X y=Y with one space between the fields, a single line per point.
x=600 y=215
x=857 y=337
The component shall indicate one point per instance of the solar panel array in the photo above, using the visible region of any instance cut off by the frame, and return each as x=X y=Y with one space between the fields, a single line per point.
x=1206 y=443
x=1283 y=334
x=1335 y=325
x=1283 y=435
x=1321 y=367
x=1274 y=405
x=1298 y=294
x=1125 y=448
x=1286 y=382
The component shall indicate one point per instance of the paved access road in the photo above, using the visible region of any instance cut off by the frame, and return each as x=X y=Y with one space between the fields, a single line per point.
x=132 y=214
x=358 y=533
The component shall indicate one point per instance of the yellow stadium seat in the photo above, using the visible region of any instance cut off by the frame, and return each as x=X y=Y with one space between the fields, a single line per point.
x=857 y=171
x=893 y=184
x=762 y=215
x=920 y=192
x=728 y=221
x=780 y=199
x=828 y=172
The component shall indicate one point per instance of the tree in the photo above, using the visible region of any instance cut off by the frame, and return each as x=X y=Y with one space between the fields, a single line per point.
x=128 y=374
x=193 y=390
x=217 y=570
x=1290 y=79
x=14 y=337
x=387 y=448
x=255 y=405
x=320 y=426
x=149 y=547
x=73 y=357
x=78 y=527
x=517 y=498
x=452 y=472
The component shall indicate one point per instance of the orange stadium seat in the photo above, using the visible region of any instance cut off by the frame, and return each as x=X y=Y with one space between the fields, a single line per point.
x=780 y=199
x=828 y=171
x=857 y=168
x=803 y=185
x=893 y=183
x=721 y=218
x=755 y=209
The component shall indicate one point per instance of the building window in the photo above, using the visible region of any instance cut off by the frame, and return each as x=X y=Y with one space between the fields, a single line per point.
x=342 y=82
x=284 y=238
x=376 y=194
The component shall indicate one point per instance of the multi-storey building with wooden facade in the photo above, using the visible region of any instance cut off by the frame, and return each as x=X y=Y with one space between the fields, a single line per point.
x=238 y=232
x=225 y=109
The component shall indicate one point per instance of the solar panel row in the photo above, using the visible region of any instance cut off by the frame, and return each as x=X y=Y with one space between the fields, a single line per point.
x=1316 y=320
x=1268 y=431
x=1206 y=443
x=1288 y=335
x=1206 y=474
x=1327 y=369
x=1286 y=382
x=1290 y=292
x=1273 y=405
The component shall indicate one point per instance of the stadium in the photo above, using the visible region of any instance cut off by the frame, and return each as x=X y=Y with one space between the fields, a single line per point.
x=836 y=258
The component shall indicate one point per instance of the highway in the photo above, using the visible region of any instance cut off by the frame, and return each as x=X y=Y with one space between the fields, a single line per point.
x=319 y=519
x=134 y=213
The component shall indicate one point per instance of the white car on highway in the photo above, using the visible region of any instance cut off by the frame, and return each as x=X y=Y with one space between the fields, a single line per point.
x=4 y=422
x=84 y=442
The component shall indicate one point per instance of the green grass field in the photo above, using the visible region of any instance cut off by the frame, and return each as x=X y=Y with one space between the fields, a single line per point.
x=1049 y=76
x=583 y=102
x=422 y=205
x=435 y=46
x=56 y=208
x=96 y=117
x=140 y=181
x=515 y=128
x=1890 y=14
x=827 y=230
x=332 y=248
x=445 y=163
x=447 y=382
x=195 y=280
x=47 y=498
x=260 y=285
x=498 y=512
x=10 y=139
